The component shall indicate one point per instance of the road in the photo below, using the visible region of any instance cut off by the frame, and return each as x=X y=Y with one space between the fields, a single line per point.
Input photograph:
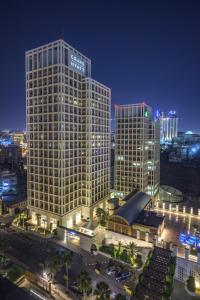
x=32 y=252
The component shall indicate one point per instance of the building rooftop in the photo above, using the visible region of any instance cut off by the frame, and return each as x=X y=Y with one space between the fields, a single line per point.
x=149 y=218
x=133 y=207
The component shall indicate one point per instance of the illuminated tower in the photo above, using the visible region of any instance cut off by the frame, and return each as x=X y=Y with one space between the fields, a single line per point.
x=168 y=126
x=137 y=152
x=68 y=131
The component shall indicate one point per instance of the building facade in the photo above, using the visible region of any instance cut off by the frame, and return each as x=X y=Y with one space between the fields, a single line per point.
x=68 y=133
x=168 y=126
x=137 y=150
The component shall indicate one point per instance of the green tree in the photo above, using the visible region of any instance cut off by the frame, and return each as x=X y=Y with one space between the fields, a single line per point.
x=138 y=260
x=68 y=260
x=54 y=263
x=133 y=249
x=102 y=216
x=120 y=297
x=84 y=283
x=102 y=291
x=191 y=284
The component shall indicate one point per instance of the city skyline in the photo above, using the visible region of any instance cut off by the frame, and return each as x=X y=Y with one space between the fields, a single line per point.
x=161 y=65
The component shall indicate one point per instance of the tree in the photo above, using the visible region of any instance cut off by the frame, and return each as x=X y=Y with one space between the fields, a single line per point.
x=133 y=249
x=102 y=216
x=68 y=259
x=138 y=260
x=120 y=297
x=54 y=263
x=191 y=284
x=84 y=283
x=102 y=291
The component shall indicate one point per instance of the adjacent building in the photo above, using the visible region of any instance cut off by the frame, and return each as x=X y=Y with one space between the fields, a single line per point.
x=168 y=126
x=137 y=150
x=68 y=132
x=135 y=220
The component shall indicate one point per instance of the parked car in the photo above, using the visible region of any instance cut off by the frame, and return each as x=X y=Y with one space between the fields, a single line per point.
x=111 y=271
x=123 y=276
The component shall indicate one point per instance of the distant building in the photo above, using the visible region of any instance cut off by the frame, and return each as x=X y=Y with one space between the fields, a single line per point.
x=18 y=137
x=168 y=126
x=187 y=138
x=170 y=194
x=137 y=150
x=10 y=154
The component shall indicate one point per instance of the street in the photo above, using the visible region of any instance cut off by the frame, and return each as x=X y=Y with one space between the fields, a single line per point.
x=32 y=251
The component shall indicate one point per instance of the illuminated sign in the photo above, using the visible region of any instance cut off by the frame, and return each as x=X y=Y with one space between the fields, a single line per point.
x=76 y=63
x=189 y=239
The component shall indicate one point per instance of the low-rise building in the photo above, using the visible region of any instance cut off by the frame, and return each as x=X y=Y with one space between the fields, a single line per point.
x=136 y=220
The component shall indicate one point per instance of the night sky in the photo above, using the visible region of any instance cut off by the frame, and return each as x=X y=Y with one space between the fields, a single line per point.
x=143 y=50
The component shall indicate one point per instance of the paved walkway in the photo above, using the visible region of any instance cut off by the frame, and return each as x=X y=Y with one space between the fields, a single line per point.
x=179 y=292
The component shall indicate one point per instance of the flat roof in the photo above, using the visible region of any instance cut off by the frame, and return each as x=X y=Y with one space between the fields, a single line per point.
x=136 y=202
x=149 y=218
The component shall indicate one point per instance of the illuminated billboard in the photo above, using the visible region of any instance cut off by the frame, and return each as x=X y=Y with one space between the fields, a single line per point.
x=76 y=63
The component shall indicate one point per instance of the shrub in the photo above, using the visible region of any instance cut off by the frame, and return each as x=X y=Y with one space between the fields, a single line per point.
x=138 y=261
x=191 y=284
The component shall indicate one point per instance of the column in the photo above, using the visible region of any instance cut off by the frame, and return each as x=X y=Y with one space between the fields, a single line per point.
x=187 y=252
x=146 y=236
x=174 y=250
x=155 y=240
x=138 y=235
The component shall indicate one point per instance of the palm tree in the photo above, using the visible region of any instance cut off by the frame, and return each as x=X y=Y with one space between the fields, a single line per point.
x=102 y=291
x=54 y=264
x=133 y=249
x=120 y=297
x=100 y=212
x=84 y=283
x=68 y=259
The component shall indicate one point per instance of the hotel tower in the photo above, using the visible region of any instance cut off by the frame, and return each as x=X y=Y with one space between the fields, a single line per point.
x=68 y=129
x=137 y=150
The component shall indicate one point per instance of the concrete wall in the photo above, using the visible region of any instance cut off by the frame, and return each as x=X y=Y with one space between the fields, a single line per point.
x=185 y=268
x=114 y=238
x=85 y=241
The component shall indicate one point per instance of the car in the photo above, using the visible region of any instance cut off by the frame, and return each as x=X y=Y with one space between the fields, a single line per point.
x=123 y=276
x=74 y=288
x=111 y=270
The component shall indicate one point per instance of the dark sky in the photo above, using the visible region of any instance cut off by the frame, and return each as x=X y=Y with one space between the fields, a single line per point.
x=144 y=50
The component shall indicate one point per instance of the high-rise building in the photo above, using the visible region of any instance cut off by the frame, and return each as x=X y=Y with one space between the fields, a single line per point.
x=68 y=132
x=168 y=126
x=137 y=150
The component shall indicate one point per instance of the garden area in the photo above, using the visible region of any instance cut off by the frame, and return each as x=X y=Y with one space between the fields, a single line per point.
x=129 y=254
x=21 y=219
x=15 y=274
x=10 y=270
x=156 y=280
